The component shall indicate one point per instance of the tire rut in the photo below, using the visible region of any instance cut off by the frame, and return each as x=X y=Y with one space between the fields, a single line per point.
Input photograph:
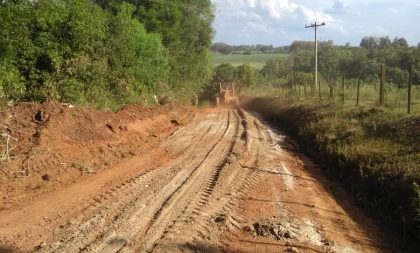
x=109 y=215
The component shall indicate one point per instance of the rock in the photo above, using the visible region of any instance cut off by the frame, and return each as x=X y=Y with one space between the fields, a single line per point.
x=40 y=116
x=175 y=122
x=247 y=228
x=40 y=246
x=287 y=235
x=45 y=177
x=292 y=249
x=220 y=218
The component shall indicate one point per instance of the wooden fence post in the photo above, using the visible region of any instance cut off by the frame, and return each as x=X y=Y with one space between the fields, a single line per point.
x=382 y=87
x=319 y=88
x=343 y=88
x=358 y=90
x=293 y=80
x=313 y=87
x=409 y=90
x=299 y=90
x=331 y=87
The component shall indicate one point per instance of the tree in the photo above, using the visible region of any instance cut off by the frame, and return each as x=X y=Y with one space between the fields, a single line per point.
x=224 y=73
x=369 y=42
x=222 y=48
x=185 y=27
x=245 y=76
x=384 y=42
x=399 y=42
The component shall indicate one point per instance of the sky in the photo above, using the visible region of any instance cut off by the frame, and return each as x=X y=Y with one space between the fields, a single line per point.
x=280 y=22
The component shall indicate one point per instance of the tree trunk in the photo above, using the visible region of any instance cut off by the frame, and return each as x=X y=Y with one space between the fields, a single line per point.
x=382 y=87
x=409 y=90
x=304 y=88
x=358 y=90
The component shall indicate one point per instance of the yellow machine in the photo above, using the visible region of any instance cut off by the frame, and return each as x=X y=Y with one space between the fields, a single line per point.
x=227 y=94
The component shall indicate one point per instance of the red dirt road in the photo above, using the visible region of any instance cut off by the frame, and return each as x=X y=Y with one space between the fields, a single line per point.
x=224 y=182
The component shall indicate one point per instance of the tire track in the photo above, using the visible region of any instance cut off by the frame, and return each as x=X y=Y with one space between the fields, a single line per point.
x=109 y=213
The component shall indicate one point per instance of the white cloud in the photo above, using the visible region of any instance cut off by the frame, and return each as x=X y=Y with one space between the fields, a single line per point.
x=282 y=21
x=277 y=9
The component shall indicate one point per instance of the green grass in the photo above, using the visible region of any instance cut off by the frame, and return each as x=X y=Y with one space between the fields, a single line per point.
x=395 y=98
x=255 y=60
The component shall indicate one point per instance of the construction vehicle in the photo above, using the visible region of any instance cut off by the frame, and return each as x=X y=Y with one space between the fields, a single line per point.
x=227 y=94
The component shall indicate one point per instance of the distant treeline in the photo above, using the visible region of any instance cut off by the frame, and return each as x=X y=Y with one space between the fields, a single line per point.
x=104 y=52
x=344 y=64
x=362 y=62
x=224 y=48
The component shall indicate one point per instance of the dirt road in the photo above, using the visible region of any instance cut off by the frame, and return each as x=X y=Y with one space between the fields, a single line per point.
x=225 y=182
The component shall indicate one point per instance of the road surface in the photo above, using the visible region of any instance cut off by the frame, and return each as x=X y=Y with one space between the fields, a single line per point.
x=225 y=182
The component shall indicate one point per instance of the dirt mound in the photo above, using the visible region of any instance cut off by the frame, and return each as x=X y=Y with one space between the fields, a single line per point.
x=46 y=146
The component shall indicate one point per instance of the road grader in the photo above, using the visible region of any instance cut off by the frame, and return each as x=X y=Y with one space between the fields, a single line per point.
x=226 y=94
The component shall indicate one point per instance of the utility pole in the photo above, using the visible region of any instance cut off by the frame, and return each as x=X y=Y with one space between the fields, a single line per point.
x=315 y=25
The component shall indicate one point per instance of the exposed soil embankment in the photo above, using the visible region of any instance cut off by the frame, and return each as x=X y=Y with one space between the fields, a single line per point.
x=45 y=147
x=373 y=151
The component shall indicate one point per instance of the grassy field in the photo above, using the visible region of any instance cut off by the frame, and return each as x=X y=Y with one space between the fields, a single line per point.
x=255 y=60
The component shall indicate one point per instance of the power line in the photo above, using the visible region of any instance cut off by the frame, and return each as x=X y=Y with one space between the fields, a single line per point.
x=315 y=25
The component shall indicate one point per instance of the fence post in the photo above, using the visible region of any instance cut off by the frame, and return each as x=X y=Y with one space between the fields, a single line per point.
x=409 y=90
x=293 y=80
x=358 y=90
x=331 y=87
x=319 y=88
x=313 y=87
x=299 y=89
x=343 y=88
x=382 y=87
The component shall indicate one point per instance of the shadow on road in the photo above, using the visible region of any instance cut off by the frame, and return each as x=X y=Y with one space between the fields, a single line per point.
x=9 y=249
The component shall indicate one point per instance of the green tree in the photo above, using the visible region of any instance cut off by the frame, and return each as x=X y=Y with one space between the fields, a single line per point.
x=245 y=76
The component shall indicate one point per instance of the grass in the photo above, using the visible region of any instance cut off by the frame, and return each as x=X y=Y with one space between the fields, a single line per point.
x=395 y=98
x=374 y=151
x=255 y=60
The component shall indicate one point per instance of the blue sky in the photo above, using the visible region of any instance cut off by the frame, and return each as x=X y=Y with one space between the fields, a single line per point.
x=280 y=22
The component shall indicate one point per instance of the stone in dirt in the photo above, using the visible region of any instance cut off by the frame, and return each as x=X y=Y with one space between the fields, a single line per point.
x=175 y=122
x=220 y=218
x=247 y=228
x=292 y=249
x=45 y=177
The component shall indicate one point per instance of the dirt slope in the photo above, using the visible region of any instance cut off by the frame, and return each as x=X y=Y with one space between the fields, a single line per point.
x=70 y=143
x=225 y=182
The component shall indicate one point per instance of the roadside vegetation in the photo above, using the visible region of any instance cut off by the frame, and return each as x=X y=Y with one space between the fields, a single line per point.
x=372 y=148
x=373 y=151
x=104 y=53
